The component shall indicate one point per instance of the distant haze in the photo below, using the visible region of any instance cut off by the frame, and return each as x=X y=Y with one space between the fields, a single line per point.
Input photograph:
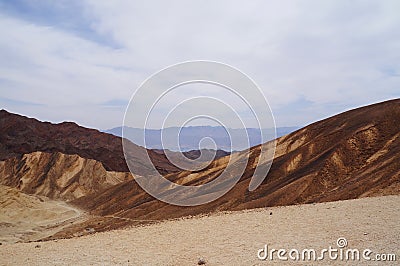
x=81 y=61
x=191 y=137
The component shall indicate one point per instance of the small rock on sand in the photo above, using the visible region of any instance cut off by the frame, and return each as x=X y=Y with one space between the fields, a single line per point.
x=201 y=261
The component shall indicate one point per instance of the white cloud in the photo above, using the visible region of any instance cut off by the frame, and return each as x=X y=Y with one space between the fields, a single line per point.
x=331 y=55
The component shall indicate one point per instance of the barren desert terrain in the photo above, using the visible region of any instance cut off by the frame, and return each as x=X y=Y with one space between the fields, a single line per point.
x=229 y=238
x=26 y=217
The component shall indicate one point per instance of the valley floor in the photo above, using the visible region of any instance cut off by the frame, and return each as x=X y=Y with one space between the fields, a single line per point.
x=25 y=218
x=230 y=238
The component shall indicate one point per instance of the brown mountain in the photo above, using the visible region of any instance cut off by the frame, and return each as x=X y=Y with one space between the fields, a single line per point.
x=351 y=155
x=195 y=154
x=58 y=175
x=21 y=135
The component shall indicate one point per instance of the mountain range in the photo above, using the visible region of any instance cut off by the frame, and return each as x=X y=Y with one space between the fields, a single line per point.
x=190 y=137
x=351 y=155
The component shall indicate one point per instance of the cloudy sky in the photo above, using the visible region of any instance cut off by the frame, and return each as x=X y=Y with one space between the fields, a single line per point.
x=82 y=60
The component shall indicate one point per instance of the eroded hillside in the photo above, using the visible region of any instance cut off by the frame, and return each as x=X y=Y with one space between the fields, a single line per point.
x=351 y=155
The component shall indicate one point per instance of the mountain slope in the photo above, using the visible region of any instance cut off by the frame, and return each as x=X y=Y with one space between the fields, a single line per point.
x=57 y=175
x=351 y=155
x=21 y=135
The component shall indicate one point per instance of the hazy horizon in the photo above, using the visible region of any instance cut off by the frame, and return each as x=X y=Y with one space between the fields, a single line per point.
x=149 y=128
x=76 y=61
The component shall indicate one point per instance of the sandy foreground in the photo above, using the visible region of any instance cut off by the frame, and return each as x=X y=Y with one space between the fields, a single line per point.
x=231 y=238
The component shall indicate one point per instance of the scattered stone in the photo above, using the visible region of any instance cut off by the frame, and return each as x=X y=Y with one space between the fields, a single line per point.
x=201 y=261
x=37 y=246
x=270 y=213
x=90 y=230
x=365 y=234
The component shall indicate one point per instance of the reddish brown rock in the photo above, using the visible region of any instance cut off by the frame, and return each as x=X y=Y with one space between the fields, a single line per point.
x=351 y=155
x=21 y=135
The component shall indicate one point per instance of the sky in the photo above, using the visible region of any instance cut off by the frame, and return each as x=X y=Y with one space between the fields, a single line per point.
x=82 y=60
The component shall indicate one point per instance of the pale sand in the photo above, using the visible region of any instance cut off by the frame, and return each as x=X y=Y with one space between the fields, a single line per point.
x=26 y=217
x=228 y=238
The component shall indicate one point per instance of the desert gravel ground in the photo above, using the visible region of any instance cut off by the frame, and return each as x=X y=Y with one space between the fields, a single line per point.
x=229 y=238
x=26 y=217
